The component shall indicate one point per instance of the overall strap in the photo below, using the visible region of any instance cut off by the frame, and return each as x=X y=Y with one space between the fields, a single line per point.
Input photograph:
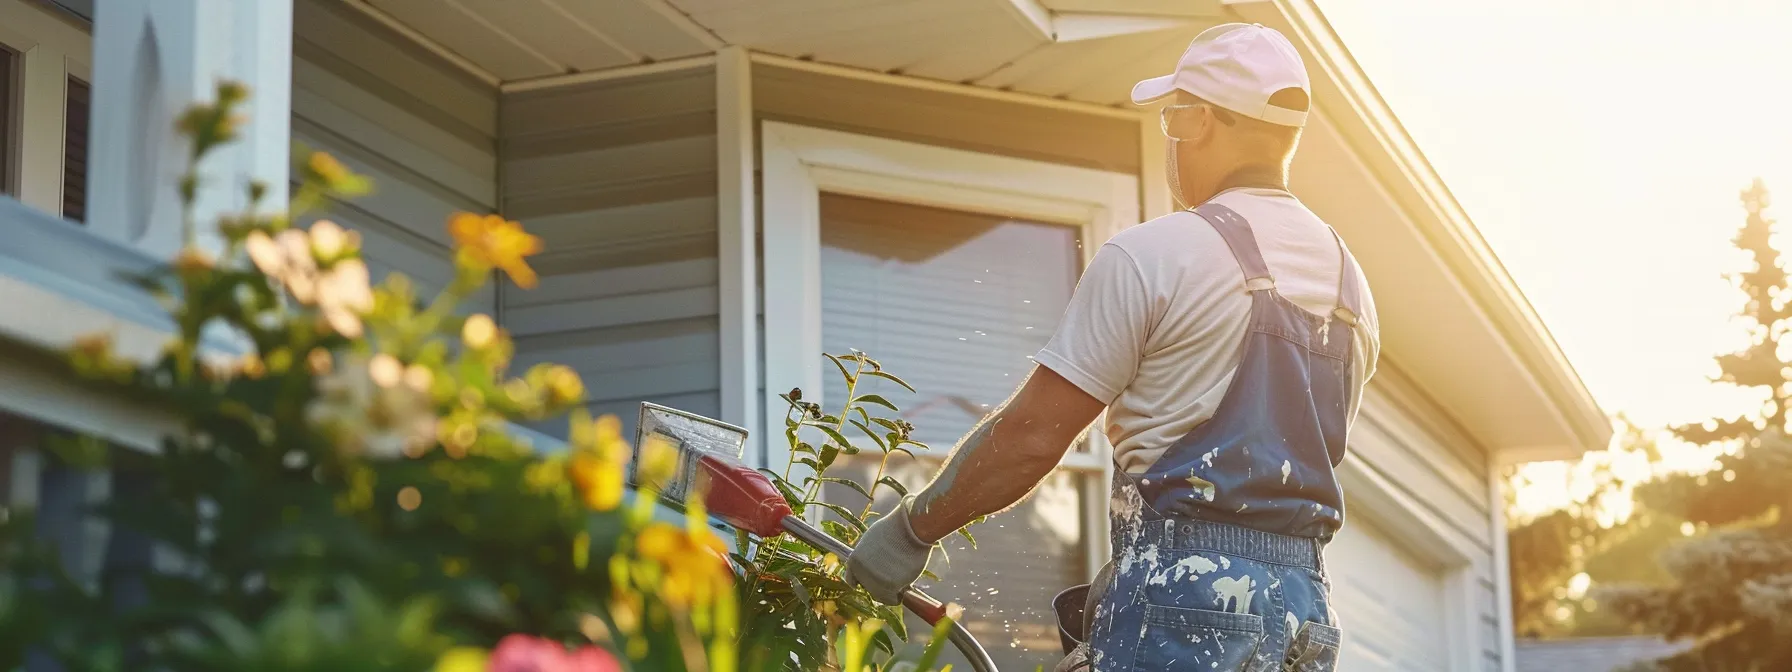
x=1237 y=233
x=1350 y=299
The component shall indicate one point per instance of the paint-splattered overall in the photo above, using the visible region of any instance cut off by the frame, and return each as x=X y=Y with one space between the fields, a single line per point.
x=1217 y=546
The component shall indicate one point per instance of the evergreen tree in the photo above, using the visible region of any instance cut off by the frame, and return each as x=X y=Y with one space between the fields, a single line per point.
x=1731 y=588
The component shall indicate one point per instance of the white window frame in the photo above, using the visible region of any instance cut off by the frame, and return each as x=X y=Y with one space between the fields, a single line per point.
x=799 y=163
x=50 y=50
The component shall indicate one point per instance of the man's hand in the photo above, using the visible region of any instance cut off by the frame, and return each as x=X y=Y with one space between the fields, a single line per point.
x=889 y=556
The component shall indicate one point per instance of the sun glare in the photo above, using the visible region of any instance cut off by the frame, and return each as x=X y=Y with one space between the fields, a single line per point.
x=1600 y=147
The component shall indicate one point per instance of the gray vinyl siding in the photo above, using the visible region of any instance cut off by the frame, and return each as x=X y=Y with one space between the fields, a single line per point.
x=619 y=180
x=424 y=132
x=1413 y=444
x=946 y=119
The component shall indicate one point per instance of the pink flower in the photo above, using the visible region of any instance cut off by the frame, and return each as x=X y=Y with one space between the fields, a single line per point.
x=523 y=653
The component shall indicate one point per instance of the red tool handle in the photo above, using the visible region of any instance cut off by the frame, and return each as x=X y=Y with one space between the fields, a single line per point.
x=742 y=497
x=923 y=605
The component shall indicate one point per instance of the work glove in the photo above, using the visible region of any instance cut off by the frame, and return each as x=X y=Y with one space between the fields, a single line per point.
x=889 y=556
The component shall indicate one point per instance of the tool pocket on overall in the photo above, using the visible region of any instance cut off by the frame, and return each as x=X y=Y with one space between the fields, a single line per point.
x=1315 y=649
x=1182 y=639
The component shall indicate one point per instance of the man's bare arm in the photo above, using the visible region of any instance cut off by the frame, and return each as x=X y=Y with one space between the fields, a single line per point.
x=1005 y=456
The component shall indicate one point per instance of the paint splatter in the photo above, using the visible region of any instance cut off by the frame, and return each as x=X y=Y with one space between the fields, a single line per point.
x=1287 y=468
x=1234 y=593
x=1293 y=623
x=1207 y=460
x=1203 y=486
x=1191 y=568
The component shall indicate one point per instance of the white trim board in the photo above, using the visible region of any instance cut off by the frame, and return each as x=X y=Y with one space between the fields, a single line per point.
x=798 y=163
x=736 y=242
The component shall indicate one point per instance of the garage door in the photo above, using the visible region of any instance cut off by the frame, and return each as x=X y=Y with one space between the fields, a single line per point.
x=1389 y=602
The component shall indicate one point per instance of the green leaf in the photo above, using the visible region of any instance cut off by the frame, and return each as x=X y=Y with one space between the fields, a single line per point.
x=913 y=442
x=894 y=485
x=840 y=531
x=934 y=645
x=888 y=424
x=850 y=517
x=828 y=454
x=893 y=620
x=839 y=439
x=966 y=533
x=863 y=416
x=929 y=574
x=892 y=378
x=848 y=483
x=875 y=399
x=796 y=587
x=811 y=462
x=840 y=365
x=874 y=437
x=804 y=448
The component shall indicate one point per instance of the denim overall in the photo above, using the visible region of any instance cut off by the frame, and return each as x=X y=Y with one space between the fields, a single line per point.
x=1217 y=546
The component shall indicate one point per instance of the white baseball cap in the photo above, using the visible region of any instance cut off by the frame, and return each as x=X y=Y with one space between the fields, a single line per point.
x=1237 y=66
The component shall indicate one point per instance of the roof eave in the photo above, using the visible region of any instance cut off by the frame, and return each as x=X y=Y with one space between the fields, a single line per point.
x=1371 y=125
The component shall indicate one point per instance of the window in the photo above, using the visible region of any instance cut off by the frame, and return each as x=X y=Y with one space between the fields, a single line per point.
x=74 y=150
x=46 y=56
x=957 y=303
x=889 y=247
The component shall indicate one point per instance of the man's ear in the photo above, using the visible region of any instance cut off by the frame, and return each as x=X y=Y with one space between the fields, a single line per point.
x=1210 y=124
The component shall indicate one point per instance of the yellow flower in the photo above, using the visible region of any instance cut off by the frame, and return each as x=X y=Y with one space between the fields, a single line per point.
x=327 y=167
x=462 y=659
x=659 y=462
x=493 y=241
x=192 y=260
x=330 y=241
x=564 y=386
x=598 y=480
x=479 y=331
x=659 y=542
x=335 y=176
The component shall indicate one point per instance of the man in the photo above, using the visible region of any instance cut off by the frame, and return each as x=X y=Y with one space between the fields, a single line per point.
x=1229 y=343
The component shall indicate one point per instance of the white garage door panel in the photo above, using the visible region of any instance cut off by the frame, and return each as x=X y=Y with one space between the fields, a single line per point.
x=1389 y=603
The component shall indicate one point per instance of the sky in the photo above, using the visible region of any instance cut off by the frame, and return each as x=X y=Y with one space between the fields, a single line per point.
x=1600 y=147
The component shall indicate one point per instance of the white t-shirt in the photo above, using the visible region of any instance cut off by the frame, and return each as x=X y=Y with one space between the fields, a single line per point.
x=1156 y=322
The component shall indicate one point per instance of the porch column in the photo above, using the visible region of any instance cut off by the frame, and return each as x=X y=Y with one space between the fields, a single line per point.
x=152 y=58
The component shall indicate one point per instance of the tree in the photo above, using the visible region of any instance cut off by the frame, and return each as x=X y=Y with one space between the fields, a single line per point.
x=1731 y=588
x=1592 y=537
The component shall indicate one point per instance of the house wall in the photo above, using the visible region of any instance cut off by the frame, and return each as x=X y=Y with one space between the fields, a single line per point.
x=872 y=106
x=619 y=179
x=1402 y=435
x=424 y=132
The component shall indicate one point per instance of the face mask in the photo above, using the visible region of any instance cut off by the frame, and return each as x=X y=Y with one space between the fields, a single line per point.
x=1174 y=175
